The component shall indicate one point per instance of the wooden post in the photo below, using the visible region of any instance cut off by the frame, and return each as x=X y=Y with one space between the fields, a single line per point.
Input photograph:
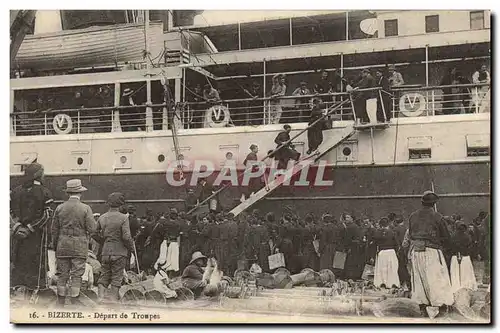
x=149 y=110
x=12 y=117
x=291 y=33
x=239 y=36
x=115 y=115
x=346 y=25
x=264 y=89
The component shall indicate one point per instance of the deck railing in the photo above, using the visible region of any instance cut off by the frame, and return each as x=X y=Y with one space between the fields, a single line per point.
x=408 y=101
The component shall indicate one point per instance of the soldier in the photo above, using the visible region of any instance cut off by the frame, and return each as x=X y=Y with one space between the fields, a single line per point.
x=113 y=231
x=429 y=236
x=29 y=203
x=72 y=225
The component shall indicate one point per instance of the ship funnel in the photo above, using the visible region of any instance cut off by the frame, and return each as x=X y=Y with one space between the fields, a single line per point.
x=47 y=21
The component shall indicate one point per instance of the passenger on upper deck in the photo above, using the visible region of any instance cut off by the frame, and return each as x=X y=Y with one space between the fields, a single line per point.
x=132 y=119
x=278 y=89
x=395 y=77
x=301 y=104
x=196 y=97
x=365 y=101
x=384 y=97
x=254 y=107
x=210 y=94
x=482 y=76
x=455 y=98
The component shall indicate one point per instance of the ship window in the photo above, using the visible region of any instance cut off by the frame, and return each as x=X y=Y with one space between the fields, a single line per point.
x=391 y=28
x=123 y=159
x=347 y=151
x=80 y=161
x=478 y=145
x=420 y=147
x=432 y=23
x=416 y=154
x=161 y=158
x=477 y=20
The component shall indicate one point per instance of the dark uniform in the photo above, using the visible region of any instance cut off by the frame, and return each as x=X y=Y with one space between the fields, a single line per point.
x=315 y=133
x=429 y=236
x=28 y=204
x=285 y=153
x=73 y=224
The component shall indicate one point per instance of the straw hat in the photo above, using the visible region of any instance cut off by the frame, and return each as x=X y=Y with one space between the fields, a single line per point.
x=74 y=186
x=127 y=92
x=195 y=256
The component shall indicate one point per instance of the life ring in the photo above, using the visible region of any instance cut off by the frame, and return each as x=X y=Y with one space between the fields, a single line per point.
x=213 y=117
x=412 y=104
x=59 y=122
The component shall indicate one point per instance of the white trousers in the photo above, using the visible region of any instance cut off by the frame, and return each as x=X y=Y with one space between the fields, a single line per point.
x=462 y=274
x=386 y=269
x=429 y=279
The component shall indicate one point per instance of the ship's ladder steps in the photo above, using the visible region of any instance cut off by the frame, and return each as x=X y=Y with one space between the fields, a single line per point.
x=334 y=138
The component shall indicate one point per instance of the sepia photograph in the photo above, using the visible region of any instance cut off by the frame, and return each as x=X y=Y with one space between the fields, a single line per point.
x=250 y=166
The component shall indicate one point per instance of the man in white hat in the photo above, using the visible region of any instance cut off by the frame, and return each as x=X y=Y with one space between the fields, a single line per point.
x=192 y=276
x=73 y=223
x=429 y=237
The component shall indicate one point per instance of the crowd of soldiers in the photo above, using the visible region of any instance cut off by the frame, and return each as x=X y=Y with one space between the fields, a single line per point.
x=120 y=238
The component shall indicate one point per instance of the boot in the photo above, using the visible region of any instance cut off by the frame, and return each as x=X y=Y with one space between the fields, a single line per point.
x=115 y=294
x=101 y=292
x=423 y=310
x=75 y=300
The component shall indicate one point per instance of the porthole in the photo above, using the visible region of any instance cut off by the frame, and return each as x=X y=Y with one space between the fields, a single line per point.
x=79 y=161
x=161 y=158
x=346 y=151
x=123 y=159
x=229 y=155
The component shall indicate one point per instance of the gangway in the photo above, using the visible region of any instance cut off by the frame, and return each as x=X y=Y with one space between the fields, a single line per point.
x=334 y=139
x=327 y=145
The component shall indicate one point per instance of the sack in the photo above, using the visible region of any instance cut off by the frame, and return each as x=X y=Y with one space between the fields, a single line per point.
x=339 y=260
x=276 y=260
x=368 y=272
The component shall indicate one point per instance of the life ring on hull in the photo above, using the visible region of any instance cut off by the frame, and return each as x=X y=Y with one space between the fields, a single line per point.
x=59 y=121
x=214 y=119
x=412 y=104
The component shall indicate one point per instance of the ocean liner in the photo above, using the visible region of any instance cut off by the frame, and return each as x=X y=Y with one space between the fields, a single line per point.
x=114 y=97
